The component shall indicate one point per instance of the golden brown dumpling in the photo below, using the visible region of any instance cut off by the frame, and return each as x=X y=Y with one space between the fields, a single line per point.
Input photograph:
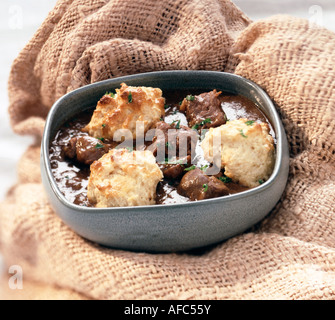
x=121 y=178
x=129 y=107
x=246 y=150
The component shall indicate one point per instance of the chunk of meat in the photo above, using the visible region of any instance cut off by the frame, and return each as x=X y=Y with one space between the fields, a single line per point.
x=196 y=185
x=85 y=149
x=173 y=140
x=174 y=147
x=172 y=171
x=175 y=169
x=204 y=111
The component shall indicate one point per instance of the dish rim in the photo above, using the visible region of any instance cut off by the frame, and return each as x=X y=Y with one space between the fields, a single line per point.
x=276 y=124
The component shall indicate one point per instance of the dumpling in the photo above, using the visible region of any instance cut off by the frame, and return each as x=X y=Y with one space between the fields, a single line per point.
x=245 y=151
x=130 y=107
x=122 y=178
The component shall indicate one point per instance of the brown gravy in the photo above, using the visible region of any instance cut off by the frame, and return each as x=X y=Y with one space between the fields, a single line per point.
x=72 y=177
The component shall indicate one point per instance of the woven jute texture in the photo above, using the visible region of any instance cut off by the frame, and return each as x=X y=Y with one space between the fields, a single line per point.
x=289 y=255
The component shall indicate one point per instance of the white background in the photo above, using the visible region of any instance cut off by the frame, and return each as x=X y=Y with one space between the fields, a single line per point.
x=19 y=19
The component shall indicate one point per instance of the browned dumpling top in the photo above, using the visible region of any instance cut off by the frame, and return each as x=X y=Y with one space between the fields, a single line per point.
x=129 y=108
x=123 y=178
x=244 y=148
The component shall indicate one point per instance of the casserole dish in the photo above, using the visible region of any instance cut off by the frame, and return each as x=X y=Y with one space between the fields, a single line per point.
x=168 y=227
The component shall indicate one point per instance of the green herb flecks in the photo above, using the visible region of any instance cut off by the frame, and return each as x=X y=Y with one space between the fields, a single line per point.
x=225 y=179
x=208 y=120
x=190 y=168
x=177 y=126
x=103 y=125
x=242 y=134
x=130 y=97
x=202 y=123
x=204 y=168
x=249 y=122
x=168 y=145
x=205 y=186
x=98 y=146
x=190 y=97
x=101 y=139
x=260 y=181
x=111 y=94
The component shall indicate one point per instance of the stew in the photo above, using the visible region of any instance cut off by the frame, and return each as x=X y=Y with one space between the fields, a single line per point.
x=73 y=150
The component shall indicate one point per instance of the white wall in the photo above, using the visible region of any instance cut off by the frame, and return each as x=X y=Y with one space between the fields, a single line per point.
x=319 y=11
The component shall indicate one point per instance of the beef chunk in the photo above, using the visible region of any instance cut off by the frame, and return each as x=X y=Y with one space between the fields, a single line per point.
x=174 y=139
x=174 y=147
x=175 y=169
x=85 y=149
x=196 y=185
x=172 y=171
x=204 y=111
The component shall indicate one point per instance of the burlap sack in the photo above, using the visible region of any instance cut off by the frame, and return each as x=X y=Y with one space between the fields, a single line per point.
x=289 y=255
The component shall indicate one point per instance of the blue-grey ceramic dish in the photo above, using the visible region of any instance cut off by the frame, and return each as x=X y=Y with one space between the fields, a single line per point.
x=173 y=227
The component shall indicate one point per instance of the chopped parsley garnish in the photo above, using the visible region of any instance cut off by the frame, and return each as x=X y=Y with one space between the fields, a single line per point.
x=166 y=106
x=103 y=125
x=130 y=97
x=177 y=125
x=205 y=186
x=111 y=94
x=225 y=179
x=203 y=168
x=208 y=120
x=190 y=168
x=102 y=139
x=202 y=123
x=190 y=97
x=242 y=134
x=98 y=146
x=250 y=122
x=260 y=181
